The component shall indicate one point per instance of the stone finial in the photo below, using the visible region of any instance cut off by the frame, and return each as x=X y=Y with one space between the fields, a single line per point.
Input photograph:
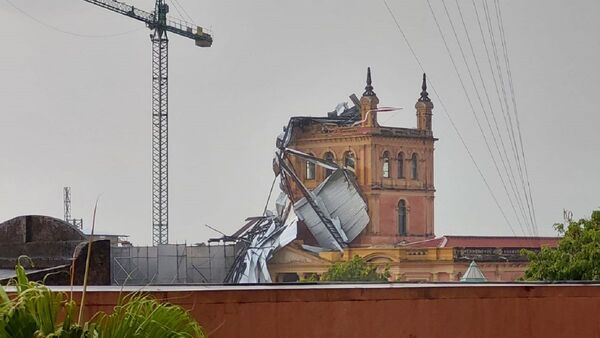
x=424 y=95
x=369 y=88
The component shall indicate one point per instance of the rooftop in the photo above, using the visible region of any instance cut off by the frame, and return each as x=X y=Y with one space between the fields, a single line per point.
x=485 y=242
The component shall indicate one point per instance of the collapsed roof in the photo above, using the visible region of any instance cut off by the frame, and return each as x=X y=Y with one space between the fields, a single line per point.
x=335 y=212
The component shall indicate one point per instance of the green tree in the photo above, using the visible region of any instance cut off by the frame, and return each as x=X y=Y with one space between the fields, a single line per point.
x=355 y=270
x=577 y=256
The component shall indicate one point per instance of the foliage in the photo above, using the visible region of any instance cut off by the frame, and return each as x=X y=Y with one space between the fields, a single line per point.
x=36 y=311
x=145 y=317
x=356 y=269
x=577 y=256
x=311 y=278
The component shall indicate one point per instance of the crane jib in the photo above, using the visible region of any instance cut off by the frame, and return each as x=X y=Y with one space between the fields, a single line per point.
x=163 y=22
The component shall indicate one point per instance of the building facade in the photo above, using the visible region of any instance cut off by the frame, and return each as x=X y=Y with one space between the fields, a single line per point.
x=394 y=169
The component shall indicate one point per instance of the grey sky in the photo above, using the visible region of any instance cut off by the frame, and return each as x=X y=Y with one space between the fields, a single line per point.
x=76 y=110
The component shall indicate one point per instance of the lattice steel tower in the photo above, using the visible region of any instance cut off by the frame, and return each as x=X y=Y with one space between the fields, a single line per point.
x=76 y=222
x=158 y=22
x=67 y=203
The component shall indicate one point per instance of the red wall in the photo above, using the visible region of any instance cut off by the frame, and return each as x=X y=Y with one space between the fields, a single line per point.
x=416 y=311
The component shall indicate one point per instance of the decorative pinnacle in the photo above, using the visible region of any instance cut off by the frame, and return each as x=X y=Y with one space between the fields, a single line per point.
x=369 y=89
x=424 y=95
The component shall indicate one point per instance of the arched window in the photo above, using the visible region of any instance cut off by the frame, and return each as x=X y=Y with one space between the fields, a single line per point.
x=401 y=165
x=349 y=160
x=329 y=158
x=414 y=166
x=386 y=164
x=310 y=170
x=402 y=226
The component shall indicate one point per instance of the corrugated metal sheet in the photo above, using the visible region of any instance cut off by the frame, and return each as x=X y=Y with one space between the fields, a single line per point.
x=339 y=199
x=264 y=246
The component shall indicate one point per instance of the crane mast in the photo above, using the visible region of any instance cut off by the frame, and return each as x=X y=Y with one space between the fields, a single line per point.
x=159 y=23
x=160 y=130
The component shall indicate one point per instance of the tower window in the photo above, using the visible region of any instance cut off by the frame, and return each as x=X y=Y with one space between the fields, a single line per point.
x=402 y=226
x=349 y=160
x=386 y=164
x=329 y=158
x=414 y=166
x=401 y=165
x=310 y=170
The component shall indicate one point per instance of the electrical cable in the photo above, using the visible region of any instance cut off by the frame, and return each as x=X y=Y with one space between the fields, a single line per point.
x=487 y=144
x=454 y=127
x=60 y=30
x=507 y=117
x=512 y=90
x=509 y=174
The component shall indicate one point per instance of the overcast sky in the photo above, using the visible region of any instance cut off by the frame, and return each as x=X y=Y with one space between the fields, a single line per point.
x=76 y=106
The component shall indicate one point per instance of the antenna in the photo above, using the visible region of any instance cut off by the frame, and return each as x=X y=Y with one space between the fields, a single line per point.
x=67 y=201
x=76 y=222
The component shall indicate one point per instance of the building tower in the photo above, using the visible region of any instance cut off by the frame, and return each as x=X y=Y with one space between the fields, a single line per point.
x=393 y=167
x=424 y=108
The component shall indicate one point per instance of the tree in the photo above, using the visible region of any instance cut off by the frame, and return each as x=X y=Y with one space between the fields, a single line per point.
x=577 y=256
x=355 y=270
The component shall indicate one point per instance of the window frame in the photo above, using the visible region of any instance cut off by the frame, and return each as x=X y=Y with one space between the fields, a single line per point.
x=402 y=218
x=400 y=169
x=328 y=172
x=414 y=166
x=350 y=155
x=310 y=170
x=385 y=168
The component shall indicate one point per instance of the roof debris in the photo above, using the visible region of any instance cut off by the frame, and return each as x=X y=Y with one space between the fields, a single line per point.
x=335 y=212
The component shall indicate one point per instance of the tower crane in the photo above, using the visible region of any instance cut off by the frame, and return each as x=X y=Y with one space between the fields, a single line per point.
x=158 y=22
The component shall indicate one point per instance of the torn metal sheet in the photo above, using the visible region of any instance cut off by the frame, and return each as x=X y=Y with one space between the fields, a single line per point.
x=260 y=242
x=339 y=199
x=262 y=249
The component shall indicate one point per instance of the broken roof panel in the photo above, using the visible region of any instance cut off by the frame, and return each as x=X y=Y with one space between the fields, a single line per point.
x=339 y=199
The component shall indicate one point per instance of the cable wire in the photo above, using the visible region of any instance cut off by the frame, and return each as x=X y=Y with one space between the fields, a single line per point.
x=60 y=30
x=186 y=16
x=512 y=90
x=508 y=120
x=487 y=144
x=509 y=173
x=454 y=127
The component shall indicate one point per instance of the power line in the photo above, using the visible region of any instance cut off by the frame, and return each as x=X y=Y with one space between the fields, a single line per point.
x=488 y=147
x=462 y=140
x=512 y=90
x=507 y=170
x=503 y=109
x=507 y=115
x=60 y=30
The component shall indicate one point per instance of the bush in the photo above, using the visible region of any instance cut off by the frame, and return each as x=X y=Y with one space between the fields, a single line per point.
x=35 y=312
x=356 y=269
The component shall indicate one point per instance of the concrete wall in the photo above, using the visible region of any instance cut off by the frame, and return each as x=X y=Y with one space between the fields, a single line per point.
x=48 y=241
x=388 y=310
x=99 y=273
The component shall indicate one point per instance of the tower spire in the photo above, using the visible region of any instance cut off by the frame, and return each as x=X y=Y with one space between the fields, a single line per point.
x=369 y=88
x=424 y=95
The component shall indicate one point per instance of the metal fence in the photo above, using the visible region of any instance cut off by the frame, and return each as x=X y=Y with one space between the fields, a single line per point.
x=171 y=264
